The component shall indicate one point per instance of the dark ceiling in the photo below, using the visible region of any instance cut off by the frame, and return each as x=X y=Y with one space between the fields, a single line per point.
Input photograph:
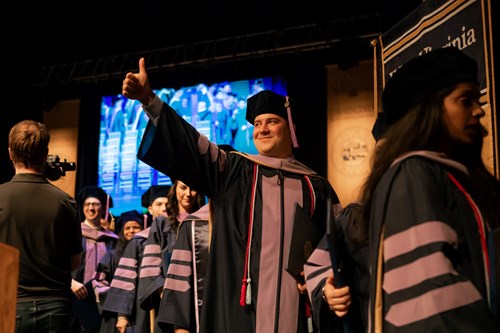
x=83 y=47
x=78 y=30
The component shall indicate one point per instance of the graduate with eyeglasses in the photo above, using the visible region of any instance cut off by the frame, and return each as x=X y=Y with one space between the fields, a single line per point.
x=96 y=241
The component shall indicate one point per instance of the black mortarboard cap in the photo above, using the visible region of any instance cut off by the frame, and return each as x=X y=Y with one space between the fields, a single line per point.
x=98 y=193
x=132 y=215
x=94 y=192
x=267 y=101
x=153 y=193
x=423 y=75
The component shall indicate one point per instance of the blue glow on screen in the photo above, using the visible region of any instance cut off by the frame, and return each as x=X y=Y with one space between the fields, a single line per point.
x=217 y=111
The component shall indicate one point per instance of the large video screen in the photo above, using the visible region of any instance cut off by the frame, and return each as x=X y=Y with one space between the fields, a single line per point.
x=216 y=110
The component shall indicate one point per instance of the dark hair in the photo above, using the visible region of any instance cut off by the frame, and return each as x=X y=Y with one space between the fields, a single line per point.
x=424 y=130
x=173 y=205
x=29 y=143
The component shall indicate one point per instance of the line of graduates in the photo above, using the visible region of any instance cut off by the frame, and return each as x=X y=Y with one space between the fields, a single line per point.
x=104 y=246
x=124 y=291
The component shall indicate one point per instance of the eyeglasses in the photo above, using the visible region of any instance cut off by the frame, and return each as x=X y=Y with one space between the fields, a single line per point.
x=95 y=204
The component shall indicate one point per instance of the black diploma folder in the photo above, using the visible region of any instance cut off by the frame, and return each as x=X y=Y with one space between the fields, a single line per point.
x=305 y=237
x=334 y=248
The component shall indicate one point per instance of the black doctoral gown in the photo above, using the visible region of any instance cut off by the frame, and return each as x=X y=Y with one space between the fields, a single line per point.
x=247 y=287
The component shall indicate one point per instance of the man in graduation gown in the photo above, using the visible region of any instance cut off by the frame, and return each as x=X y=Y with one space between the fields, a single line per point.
x=247 y=287
x=96 y=241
